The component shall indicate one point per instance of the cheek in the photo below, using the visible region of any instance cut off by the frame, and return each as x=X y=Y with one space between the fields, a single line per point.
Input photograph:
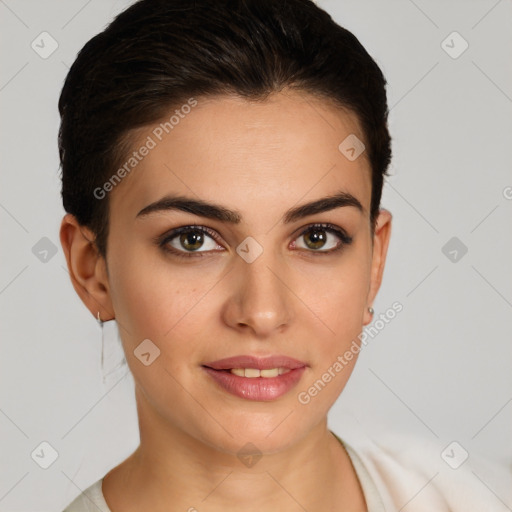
x=335 y=353
x=152 y=296
x=343 y=297
x=155 y=300
x=340 y=305
x=339 y=295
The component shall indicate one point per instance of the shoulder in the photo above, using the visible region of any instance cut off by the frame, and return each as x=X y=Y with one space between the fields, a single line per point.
x=416 y=474
x=90 y=500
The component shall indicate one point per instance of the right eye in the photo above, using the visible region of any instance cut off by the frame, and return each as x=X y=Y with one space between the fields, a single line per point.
x=187 y=241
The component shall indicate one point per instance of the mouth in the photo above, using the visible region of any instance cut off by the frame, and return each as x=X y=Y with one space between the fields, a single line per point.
x=252 y=373
x=256 y=379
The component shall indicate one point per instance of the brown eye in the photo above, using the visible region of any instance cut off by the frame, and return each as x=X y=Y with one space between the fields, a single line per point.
x=315 y=238
x=191 y=241
x=323 y=239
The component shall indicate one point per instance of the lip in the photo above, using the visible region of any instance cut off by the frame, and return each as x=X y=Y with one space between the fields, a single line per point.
x=261 y=389
x=260 y=363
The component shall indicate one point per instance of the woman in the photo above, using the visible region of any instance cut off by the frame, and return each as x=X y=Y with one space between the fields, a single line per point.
x=222 y=169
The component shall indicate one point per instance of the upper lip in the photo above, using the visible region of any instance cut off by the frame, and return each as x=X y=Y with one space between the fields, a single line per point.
x=260 y=363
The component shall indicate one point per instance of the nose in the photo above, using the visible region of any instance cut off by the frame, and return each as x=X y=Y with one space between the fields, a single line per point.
x=260 y=301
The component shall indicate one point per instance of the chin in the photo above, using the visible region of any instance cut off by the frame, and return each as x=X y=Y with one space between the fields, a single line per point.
x=265 y=434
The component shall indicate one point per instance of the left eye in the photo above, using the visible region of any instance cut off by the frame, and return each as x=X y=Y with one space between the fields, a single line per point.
x=321 y=238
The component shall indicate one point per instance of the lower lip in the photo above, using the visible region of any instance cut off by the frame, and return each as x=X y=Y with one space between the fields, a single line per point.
x=261 y=389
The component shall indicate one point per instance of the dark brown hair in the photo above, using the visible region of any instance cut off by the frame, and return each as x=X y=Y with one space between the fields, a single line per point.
x=158 y=53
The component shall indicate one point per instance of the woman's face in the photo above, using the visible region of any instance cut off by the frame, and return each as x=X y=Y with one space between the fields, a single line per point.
x=259 y=282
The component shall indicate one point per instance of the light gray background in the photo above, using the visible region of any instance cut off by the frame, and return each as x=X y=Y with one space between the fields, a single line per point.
x=440 y=369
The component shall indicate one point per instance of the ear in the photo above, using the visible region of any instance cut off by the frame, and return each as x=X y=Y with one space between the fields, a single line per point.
x=87 y=268
x=381 y=239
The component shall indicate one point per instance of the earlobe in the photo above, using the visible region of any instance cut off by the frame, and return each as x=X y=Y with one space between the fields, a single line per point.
x=87 y=268
x=381 y=239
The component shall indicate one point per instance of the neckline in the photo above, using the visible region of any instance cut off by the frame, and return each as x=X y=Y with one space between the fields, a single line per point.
x=103 y=503
x=371 y=494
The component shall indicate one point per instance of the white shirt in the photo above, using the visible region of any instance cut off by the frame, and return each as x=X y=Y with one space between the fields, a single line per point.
x=402 y=474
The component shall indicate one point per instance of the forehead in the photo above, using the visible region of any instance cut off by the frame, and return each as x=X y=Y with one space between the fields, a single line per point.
x=246 y=154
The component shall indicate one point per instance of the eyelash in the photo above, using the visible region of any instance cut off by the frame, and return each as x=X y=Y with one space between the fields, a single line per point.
x=163 y=240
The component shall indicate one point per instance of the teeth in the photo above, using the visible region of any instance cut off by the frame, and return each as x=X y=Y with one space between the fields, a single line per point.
x=252 y=373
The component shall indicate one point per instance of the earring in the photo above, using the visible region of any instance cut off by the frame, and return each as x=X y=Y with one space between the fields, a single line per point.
x=113 y=361
x=371 y=310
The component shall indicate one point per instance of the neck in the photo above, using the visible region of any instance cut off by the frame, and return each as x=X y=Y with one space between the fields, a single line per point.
x=171 y=470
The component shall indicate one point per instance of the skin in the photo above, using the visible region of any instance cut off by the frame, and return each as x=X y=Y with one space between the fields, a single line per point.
x=259 y=159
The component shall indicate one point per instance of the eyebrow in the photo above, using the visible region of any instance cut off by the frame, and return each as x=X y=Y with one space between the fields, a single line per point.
x=214 y=211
